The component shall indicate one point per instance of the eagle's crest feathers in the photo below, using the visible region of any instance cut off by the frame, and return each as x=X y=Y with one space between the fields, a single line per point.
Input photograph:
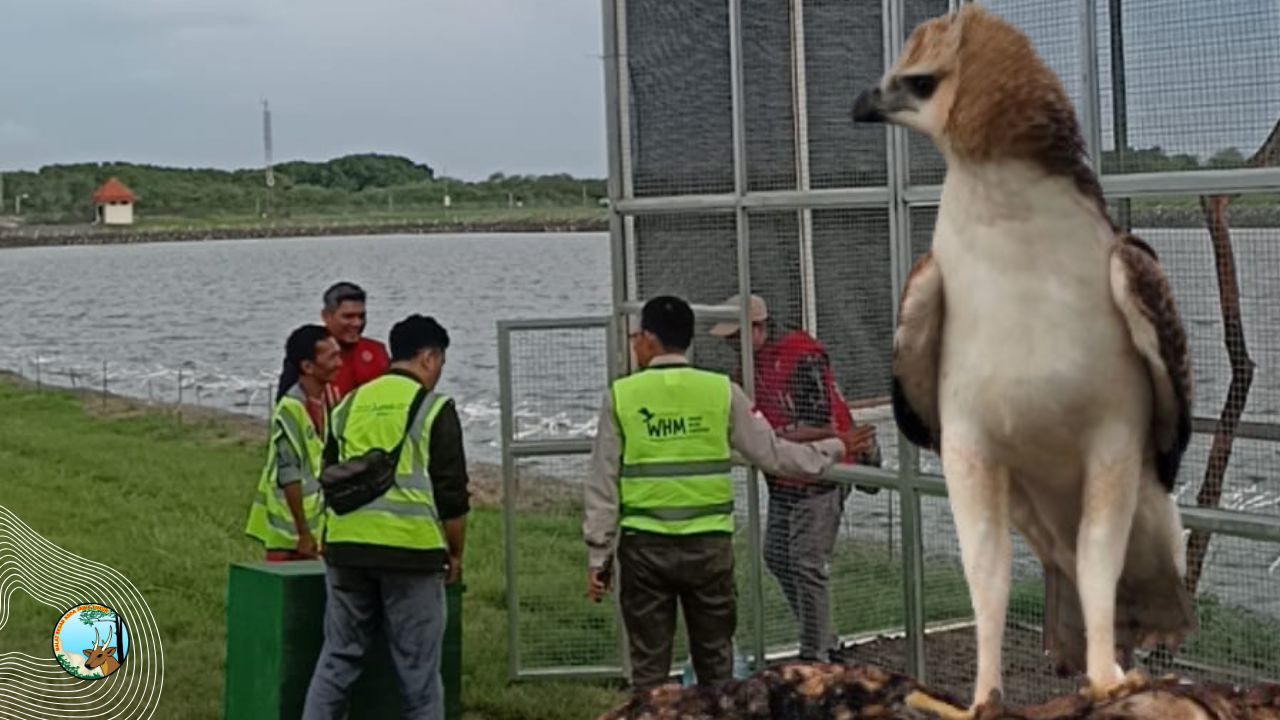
x=995 y=98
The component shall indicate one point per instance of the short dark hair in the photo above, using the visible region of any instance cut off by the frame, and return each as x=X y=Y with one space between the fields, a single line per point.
x=414 y=334
x=670 y=319
x=341 y=292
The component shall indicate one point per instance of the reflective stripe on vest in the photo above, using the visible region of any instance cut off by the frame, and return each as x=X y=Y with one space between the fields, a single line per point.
x=712 y=467
x=676 y=470
x=373 y=416
x=270 y=520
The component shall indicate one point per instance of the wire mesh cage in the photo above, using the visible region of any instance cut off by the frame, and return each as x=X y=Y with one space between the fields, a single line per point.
x=843 y=51
x=558 y=378
x=1186 y=86
x=738 y=170
x=678 y=83
x=557 y=627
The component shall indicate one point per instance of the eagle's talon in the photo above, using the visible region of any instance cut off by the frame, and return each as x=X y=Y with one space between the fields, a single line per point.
x=919 y=700
x=1132 y=682
x=992 y=707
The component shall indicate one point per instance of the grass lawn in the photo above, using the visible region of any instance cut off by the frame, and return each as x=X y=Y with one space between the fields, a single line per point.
x=164 y=503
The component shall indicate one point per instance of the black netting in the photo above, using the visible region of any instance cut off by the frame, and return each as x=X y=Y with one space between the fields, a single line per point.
x=844 y=53
x=681 y=104
x=855 y=298
x=767 y=87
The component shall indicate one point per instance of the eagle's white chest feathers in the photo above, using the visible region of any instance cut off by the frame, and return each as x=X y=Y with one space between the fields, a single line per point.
x=1034 y=350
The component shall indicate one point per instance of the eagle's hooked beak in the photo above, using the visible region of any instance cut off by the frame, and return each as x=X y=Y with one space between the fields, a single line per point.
x=887 y=101
x=869 y=107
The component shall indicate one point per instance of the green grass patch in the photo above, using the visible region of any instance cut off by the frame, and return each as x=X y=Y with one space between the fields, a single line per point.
x=1241 y=641
x=164 y=503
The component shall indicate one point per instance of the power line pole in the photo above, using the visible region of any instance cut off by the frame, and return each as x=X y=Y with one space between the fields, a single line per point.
x=266 y=143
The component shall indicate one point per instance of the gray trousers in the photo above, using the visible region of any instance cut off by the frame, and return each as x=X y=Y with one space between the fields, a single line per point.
x=411 y=607
x=799 y=540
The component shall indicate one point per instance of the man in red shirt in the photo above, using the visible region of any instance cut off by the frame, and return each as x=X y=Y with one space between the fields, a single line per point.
x=363 y=359
x=796 y=391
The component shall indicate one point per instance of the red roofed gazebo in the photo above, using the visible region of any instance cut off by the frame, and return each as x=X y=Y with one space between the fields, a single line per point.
x=114 y=203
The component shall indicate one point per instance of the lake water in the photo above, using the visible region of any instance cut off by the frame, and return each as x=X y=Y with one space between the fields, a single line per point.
x=215 y=314
x=224 y=309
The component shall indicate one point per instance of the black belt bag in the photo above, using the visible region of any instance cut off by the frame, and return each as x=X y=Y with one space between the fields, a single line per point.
x=350 y=485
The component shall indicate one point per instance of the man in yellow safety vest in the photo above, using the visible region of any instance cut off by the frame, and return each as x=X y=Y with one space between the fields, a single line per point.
x=661 y=475
x=287 y=514
x=388 y=560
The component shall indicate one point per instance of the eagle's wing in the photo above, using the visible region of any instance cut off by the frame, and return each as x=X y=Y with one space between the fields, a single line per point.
x=916 y=345
x=1142 y=295
x=1152 y=603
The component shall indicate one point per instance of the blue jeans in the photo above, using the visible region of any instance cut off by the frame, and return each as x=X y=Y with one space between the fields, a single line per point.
x=411 y=606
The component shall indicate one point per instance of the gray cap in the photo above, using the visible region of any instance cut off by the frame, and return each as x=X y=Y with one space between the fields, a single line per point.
x=759 y=312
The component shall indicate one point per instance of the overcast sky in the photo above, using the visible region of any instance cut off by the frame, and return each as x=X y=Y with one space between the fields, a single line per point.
x=468 y=86
x=477 y=86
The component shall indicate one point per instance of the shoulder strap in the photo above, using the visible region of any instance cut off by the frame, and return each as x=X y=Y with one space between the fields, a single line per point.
x=330 y=456
x=418 y=398
x=335 y=422
x=331 y=442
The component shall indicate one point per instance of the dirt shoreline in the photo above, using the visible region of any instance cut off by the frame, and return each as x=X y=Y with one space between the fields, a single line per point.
x=49 y=236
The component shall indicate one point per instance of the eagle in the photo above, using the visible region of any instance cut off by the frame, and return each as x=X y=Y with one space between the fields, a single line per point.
x=1039 y=352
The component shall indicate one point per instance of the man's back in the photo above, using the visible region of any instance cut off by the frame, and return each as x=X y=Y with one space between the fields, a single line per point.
x=675 y=475
x=375 y=417
x=675 y=405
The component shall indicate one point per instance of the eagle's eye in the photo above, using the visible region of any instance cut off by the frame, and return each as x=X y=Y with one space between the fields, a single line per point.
x=921 y=86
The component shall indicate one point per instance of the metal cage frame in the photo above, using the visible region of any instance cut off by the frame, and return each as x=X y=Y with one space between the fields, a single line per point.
x=899 y=197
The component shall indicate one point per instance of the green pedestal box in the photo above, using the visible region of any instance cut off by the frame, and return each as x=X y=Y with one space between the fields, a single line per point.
x=275 y=628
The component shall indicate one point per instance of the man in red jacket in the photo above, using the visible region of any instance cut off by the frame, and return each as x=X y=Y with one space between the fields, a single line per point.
x=796 y=392
x=363 y=359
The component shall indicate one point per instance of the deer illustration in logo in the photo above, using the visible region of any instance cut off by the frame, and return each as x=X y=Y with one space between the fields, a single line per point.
x=100 y=655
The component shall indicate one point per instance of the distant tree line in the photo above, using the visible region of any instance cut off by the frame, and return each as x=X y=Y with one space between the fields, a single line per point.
x=353 y=183
x=370 y=182
x=1155 y=159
